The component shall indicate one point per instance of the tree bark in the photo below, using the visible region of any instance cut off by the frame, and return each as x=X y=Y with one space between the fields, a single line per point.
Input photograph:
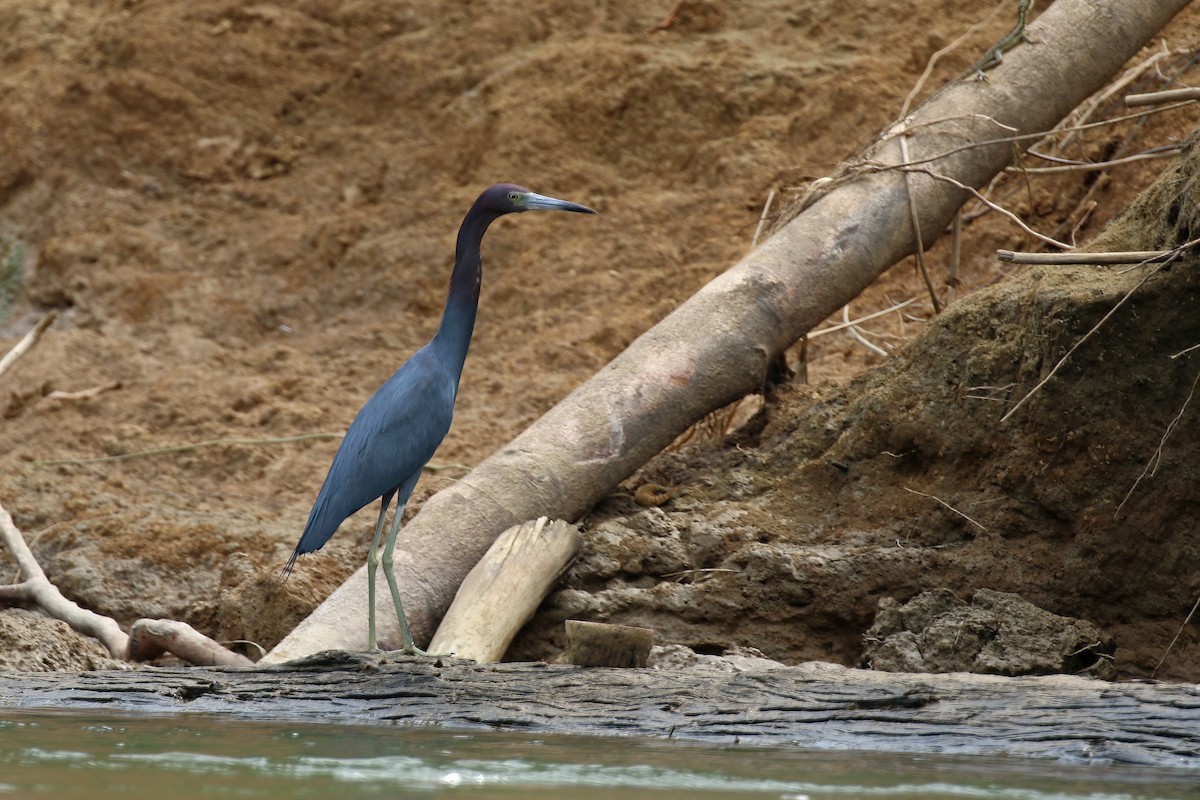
x=814 y=705
x=718 y=345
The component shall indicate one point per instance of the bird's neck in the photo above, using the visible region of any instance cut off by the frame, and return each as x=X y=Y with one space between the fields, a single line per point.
x=458 y=320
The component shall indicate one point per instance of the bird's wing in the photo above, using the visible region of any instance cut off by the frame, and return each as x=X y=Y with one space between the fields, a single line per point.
x=394 y=435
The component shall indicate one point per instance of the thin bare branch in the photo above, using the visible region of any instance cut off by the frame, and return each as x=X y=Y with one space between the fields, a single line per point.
x=1026 y=137
x=84 y=394
x=841 y=326
x=1168 y=151
x=994 y=206
x=858 y=337
x=947 y=505
x=914 y=215
x=1155 y=459
x=1098 y=100
x=27 y=342
x=955 y=257
x=1187 y=620
x=1165 y=96
x=933 y=59
x=184 y=448
x=1131 y=257
x=762 y=220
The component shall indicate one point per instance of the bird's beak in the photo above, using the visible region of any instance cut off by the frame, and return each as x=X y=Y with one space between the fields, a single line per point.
x=531 y=201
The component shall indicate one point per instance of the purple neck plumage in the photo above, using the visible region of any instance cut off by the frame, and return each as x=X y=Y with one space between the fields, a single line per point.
x=458 y=320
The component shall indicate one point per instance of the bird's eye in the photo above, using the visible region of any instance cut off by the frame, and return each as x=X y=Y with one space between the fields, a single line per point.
x=514 y=197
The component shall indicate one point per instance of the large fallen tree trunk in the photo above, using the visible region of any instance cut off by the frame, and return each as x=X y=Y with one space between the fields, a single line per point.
x=813 y=705
x=717 y=347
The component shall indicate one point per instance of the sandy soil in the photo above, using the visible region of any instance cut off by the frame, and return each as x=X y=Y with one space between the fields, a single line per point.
x=245 y=215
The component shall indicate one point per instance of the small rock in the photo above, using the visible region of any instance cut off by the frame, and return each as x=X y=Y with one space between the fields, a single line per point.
x=997 y=633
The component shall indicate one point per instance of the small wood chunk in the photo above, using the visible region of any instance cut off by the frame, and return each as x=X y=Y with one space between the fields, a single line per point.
x=502 y=591
x=598 y=644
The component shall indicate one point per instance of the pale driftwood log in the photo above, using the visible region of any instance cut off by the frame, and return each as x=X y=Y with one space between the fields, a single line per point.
x=151 y=638
x=813 y=705
x=717 y=346
x=599 y=644
x=501 y=592
x=148 y=638
x=34 y=587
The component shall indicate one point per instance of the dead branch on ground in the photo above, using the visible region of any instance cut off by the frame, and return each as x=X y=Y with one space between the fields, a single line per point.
x=1155 y=460
x=34 y=587
x=1073 y=258
x=186 y=448
x=947 y=505
x=151 y=638
x=1178 y=633
x=147 y=638
x=27 y=342
x=1166 y=96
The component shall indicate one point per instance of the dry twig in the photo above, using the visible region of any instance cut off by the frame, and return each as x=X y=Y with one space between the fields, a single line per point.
x=1175 y=254
x=947 y=505
x=841 y=326
x=27 y=342
x=858 y=337
x=1014 y=139
x=933 y=59
x=151 y=638
x=762 y=220
x=1165 y=96
x=1131 y=257
x=994 y=206
x=84 y=394
x=668 y=20
x=1156 y=457
x=184 y=448
x=1166 y=653
x=1166 y=151
x=1074 y=123
x=914 y=215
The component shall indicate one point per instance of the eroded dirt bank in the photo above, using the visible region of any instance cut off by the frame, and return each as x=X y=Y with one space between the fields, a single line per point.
x=246 y=216
x=906 y=479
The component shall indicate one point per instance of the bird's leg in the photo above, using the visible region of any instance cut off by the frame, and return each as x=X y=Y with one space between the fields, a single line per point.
x=410 y=646
x=372 y=563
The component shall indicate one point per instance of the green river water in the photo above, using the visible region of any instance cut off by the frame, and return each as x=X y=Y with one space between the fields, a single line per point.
x=98 y=757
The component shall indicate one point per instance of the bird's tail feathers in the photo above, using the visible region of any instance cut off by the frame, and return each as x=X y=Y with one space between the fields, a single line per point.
x=286 y=572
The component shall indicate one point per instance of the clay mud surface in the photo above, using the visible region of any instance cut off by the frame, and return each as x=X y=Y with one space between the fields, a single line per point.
x=245 y=216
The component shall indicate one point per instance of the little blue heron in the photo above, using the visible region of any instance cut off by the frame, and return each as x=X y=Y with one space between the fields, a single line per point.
x=397 y=431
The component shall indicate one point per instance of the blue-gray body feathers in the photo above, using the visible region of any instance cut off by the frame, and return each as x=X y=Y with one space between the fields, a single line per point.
x=392 y=438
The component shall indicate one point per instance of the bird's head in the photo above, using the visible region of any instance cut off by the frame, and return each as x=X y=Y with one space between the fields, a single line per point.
x=508 y=198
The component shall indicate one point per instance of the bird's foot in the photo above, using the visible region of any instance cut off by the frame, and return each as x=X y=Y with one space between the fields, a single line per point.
x=411 y=649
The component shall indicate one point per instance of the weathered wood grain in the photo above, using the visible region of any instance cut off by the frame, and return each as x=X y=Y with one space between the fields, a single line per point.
x=814 y=705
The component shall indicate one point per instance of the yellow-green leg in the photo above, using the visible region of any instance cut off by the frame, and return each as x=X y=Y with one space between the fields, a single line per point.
x=409 y=645
x=372 y=563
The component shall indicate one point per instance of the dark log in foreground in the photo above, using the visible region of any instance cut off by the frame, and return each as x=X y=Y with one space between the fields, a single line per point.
x=814 y=705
